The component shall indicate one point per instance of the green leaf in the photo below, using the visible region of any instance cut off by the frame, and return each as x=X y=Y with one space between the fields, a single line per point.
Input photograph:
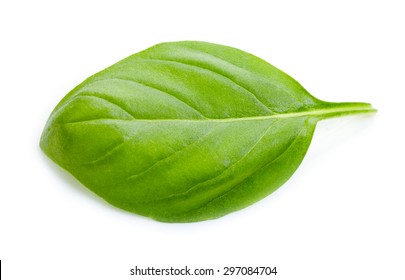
x=186 y=131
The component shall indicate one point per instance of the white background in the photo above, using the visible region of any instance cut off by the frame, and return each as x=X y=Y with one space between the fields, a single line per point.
x=341 y=216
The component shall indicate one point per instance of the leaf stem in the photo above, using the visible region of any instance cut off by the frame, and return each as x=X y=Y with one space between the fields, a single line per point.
x=325 y=111
x=333 y=110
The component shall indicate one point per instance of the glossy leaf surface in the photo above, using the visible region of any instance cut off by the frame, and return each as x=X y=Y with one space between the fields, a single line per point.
x=186 y=131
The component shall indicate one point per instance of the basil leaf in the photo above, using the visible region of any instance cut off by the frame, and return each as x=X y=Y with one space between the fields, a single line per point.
x=186 y=131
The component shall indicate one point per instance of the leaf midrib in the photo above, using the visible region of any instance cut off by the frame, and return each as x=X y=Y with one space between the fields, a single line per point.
x=341 y=109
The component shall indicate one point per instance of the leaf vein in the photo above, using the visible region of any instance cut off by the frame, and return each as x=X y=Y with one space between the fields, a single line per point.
x=158 y=89
x=256 y=74
x=218 y=74
x=92 y=95
x=261 y=168
x=167 y=157
x=106 y=154
x=226 y=169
